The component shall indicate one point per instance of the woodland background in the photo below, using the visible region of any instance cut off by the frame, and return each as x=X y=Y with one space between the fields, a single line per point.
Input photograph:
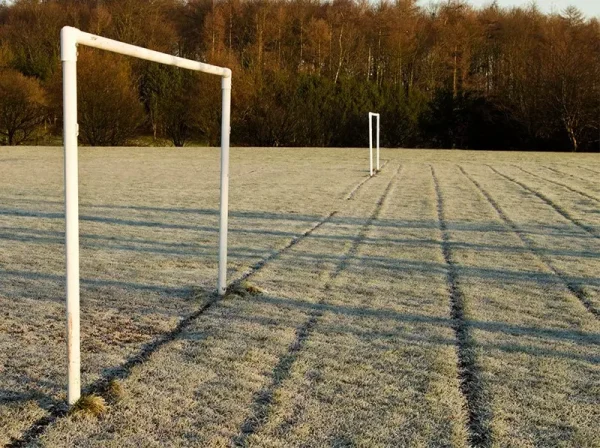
x=307 y=72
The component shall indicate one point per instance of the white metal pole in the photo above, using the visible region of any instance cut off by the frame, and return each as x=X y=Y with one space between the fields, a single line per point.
x=70 y=37
x=224 y=212
x=102 y=43
x=69 y=64
x=370 y=144
x=377 y=142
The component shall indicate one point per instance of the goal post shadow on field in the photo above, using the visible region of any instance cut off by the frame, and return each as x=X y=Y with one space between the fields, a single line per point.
x=371 y=116
x=69 y=39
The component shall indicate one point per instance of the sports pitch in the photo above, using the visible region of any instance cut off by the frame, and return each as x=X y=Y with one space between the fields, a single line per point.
x=451 y=300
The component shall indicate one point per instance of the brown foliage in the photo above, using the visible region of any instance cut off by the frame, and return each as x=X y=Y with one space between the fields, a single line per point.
x=109 y=108
x=22 y=106
x=539 y=71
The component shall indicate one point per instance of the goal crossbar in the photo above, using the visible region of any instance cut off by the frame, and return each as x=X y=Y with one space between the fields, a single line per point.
x=70 y=38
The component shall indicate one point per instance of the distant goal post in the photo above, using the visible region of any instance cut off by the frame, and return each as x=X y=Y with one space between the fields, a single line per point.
x=371 y=116
x=70 y=38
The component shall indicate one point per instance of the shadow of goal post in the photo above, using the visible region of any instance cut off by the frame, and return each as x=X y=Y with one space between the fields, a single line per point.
x=70 y=38
x=371 y=115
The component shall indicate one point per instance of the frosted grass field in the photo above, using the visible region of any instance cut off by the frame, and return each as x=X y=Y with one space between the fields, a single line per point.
x=452 y=300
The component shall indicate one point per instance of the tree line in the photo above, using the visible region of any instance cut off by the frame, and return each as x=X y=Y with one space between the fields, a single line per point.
x=307 y=72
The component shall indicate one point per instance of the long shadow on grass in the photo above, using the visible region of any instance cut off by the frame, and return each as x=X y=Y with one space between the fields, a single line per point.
x=32 y=235
x=120 y=372
x=60 y=280
x=389 y=264
x=416 y=329
x=579 y=337
x=264 y=398
x=33 y=392
x=565 y=230
x=27 y=234
x=382 y=265
x=10 y=396
x=89 y=241
x=575 y=289
x=543 y=335
x=590 y=229
x=486 y=348
x=44 y=400
x=568 y=187
x=262 y=402
x=123 y=371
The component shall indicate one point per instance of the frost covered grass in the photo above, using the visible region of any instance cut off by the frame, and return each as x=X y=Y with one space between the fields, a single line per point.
x=452 y=301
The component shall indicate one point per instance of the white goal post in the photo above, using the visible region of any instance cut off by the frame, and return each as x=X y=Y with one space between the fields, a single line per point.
x=69 y=39
x=371 y=116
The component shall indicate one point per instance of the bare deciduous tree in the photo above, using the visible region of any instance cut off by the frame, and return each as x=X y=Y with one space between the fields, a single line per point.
x=532 y=78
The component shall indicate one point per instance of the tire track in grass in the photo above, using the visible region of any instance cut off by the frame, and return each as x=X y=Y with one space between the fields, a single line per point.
x=563 y=173
x=470 y=376
x=561 y=211
x=590 y=170
x=574 y=288
x=264 y=399
x=574 y=190
x=293 y=242
x=123 y=371
x=364 y=181
x=100 y=386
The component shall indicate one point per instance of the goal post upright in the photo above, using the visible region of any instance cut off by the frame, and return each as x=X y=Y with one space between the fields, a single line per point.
x=370 y=143
x=70 y=38
x=224 y=212
x=70 y=132
x=371 y=115
x=377 y=140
